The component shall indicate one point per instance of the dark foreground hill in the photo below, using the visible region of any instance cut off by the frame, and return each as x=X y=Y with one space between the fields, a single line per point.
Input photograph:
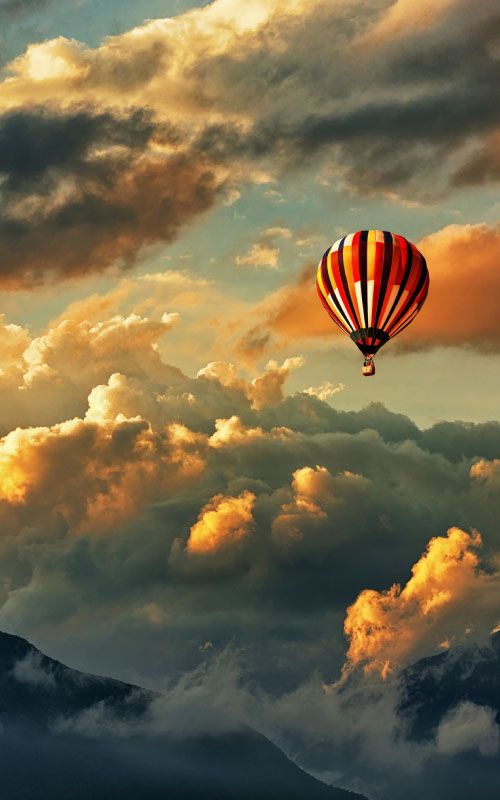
x=42 y=760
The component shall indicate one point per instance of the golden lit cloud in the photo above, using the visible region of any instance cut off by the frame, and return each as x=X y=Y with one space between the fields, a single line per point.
x=260 y=255
x=264 y=390
x=488 y=472
x=290 y=314
x=222 y=522
x=403 y=17
x=92 y=473
x=445 y=598
x=465 y=282
x=267 y=389
x=325 y=391
x=232 y=431
x=149 y=65
x=309 y=487
x=315 y=493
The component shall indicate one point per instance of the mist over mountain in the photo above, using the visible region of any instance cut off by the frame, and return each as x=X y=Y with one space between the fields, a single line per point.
x=460 y=675
x=45 y=754
x=453 y=701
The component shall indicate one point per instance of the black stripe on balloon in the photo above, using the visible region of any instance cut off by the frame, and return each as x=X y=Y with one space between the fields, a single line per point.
x=329 y=310
x=328 y=284
x=345 y=284
x=363 y=271
x=365 y=337
x=402 y=285
x=412 y=298
x=408 y=321
x=386 y=271
x=363 y=334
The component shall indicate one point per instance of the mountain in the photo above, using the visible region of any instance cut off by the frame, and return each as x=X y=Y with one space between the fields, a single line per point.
x=433 y=686
x=460 y=689
x=44 y=760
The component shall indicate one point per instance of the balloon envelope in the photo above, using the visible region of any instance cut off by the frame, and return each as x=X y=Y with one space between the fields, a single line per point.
x=372 y=284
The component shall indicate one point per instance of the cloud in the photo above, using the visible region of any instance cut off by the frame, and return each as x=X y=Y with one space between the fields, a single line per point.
x=267 y=389
x=483 y=164
x=403 y=12
x=260 y=255
x=91 y=472
x=325 y=391
x=388 y=629
x=222 y=522
x=49 y=377
x=292 y=313
x=31 y=670
x=152 y=516
x=265 y=252
x=264 y=390
x=487 y=472
x=469 y=727
x=137 y=137
x=83 y=191
x=460 y=309
x=231 y=431
x=315 y=493
x=115 y=456
x=20 y=8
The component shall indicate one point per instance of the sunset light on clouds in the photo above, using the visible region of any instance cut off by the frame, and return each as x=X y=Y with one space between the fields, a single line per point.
x=199 y=492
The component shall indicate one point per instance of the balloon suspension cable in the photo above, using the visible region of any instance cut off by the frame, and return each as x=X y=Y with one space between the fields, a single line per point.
x=368 y=367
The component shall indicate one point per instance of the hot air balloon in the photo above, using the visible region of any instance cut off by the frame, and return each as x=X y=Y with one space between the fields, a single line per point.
x=372 y=284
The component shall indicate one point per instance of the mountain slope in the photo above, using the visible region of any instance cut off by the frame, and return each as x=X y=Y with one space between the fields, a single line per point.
x=452 y=700
x=433 y=686
x=41 y=761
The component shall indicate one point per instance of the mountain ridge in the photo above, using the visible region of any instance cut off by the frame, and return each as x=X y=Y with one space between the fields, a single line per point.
x=41 y=760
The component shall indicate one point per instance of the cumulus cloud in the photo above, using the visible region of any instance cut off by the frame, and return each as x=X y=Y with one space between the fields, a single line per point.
x=388 y=629
x=182 y=508
x=231 y=431
x=149 y=446
x=49 y=377
x=264 y=390
x=304 y=505
x=325 y=390
x=265 y=252
x=84 y=472
x=267 y=389
x=222 y=522
x=486 y=472
x=260 y=255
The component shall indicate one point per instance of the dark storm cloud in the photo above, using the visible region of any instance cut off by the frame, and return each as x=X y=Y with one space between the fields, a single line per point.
x=35 y=142
x=277 y=595
x=483 y=166
x=19 y=8
x=343 y=500
x=81 y=192
x=403 y=104
x=403 y=110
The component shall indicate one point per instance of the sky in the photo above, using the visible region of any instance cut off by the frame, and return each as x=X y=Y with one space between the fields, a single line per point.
x=194 y=471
